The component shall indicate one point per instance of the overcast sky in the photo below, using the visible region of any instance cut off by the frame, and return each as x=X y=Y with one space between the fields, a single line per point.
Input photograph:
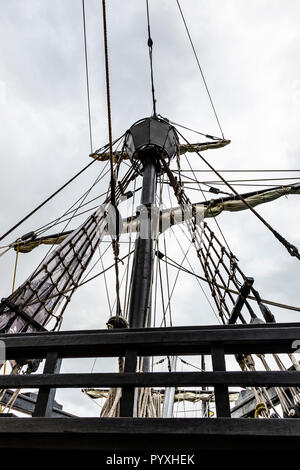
x=249 y=52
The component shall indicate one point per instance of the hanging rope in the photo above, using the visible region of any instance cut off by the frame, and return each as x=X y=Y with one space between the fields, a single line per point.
x=115 y=242
x=112 y=179
x=15 y=268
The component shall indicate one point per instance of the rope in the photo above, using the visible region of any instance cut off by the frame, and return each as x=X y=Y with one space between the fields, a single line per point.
x=217 y=224
x=200 y=68
x=250 y=297
x=190 y=364
x=105 y=283
x=76 y=209
x=112 y=181
x=84 y=282
x=13 y=398
x=168 y=285
x=127 y=290
x=235 y=171
x=295 y=178
x=180 y=267
x=260 y=407
x=72 y=208
x=115 y=243
x=203 y=250
x=46 y=200
x=213 y=272
x=5 y=251
x=150 y=45
x=208 y=136
x=192 y=271
x=87 y=76
x=293 y=251
x=67 y=277
x=15 y=268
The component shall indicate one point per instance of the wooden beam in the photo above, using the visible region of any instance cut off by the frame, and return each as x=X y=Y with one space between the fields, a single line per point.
x=154 y=341
x=240 y=301
x=128 y=393
x=221 y=391
x=149 y=434
x=156 y=379
x=25 y=403
x=46 y=395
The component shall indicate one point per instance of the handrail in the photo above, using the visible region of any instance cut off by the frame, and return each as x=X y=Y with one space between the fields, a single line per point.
x=216 y=341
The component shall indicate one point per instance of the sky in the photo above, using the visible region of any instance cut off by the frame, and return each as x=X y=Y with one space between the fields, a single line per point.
x=249 y=54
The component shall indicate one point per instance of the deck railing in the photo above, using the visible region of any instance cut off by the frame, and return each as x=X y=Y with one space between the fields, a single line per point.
x=216 y=341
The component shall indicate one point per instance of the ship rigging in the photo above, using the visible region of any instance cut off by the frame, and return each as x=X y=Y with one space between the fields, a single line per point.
x=151 y=170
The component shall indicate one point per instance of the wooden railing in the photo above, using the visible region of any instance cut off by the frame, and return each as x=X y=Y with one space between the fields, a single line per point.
x=217 y=341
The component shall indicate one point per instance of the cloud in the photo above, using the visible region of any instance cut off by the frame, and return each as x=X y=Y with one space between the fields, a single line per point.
x=249 y=54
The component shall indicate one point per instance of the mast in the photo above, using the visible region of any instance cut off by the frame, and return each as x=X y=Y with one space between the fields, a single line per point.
x=147 y=141
x=139 y=309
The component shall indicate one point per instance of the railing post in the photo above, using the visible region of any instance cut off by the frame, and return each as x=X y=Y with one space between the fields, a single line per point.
x=46 y=395
x=221 y=391
x=127 y=403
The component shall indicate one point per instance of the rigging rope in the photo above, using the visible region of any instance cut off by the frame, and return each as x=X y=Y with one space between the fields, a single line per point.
x=208 y=136
x=87 y=76
x=72 y=208
x=81 y=201
x=181 y=265
x=15 y=268
x=200 y=68
x=208 y=182
x=176 y=265
x=238 y=171
x=150 y=45
x=74 y=254
x=112 y=180
x=293 y=251
x=217 y=224
x=47 y=200
x=86 y=281
x=115 y=242
x=13 y=288
x=212 y=258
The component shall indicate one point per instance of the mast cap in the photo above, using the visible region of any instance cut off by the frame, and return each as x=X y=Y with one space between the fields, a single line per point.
x=151 y=136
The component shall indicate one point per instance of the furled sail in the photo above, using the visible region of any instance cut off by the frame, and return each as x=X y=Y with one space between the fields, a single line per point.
x=173 y=216
x=234 y=204
x=180 y=395
x=37 y=301
x=183 y=148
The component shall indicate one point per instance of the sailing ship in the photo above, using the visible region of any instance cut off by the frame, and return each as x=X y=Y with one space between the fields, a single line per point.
x=153 y=227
